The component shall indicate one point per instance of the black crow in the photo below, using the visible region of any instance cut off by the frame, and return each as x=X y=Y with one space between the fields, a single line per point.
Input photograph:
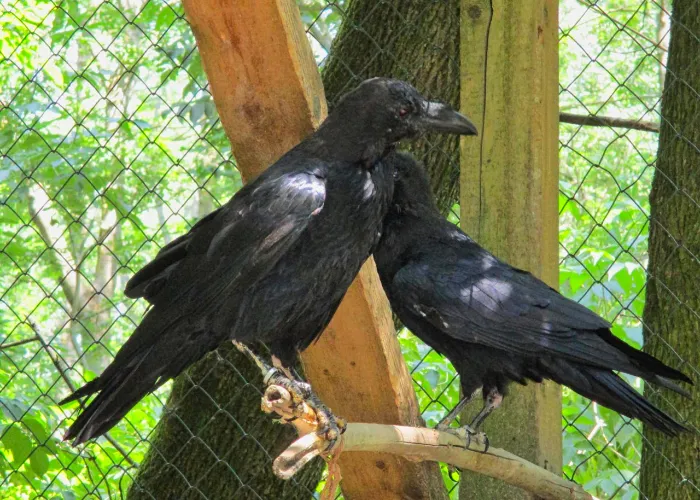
x=274 y=262
x=496 y=323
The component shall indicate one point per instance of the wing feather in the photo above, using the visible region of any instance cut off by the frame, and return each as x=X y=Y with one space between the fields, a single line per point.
x=487 y=302
x=224 y=254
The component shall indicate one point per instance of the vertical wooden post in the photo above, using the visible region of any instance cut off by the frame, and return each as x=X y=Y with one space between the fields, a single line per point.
x=509 y=190
x=269 y=96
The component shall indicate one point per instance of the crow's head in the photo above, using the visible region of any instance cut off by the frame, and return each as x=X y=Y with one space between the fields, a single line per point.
x=392 y=110
x=411 y=183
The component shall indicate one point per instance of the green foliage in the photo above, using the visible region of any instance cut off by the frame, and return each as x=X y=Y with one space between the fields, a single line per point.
x=109 y=147
x=610 y=65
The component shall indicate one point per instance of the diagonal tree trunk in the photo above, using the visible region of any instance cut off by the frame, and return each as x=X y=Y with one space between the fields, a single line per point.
x=671 y=313
x=213 y=439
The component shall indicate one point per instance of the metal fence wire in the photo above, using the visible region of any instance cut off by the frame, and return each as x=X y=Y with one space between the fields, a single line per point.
x=110 y=146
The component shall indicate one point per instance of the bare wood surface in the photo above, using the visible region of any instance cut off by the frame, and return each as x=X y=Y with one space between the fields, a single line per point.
x=414 y=443
x=429 y=444
x=269 y=96
x=262 y=75
x=509 y=189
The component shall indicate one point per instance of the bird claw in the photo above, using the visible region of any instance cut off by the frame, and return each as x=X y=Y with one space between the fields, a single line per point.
x=302 y=389
x=469 y=436
x=330 y=427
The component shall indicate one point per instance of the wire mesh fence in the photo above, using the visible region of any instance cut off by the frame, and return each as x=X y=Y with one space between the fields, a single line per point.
x=111 y=146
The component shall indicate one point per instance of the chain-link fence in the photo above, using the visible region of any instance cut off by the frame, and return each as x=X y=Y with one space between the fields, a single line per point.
x=111 y=146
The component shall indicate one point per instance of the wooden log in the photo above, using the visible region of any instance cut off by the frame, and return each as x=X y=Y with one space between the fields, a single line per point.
x=269 y=96
x=509 y=190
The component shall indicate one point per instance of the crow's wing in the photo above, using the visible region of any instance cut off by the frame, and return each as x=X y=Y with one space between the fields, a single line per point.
x=214 y=264
x=226 y=252
x=484 y=301
x=150 y=280
x=279 y=204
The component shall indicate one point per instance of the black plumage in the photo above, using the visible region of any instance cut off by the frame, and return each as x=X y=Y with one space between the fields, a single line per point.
x=273 y=263
x=498 y=324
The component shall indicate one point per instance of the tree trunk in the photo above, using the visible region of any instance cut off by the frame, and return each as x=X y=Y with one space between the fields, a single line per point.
x=213 y=439
x=670 y=466
x=412 y=40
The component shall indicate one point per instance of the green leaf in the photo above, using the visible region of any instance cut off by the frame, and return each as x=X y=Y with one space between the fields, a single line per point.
x=165 y=18
x=54 y=72
x=12 y=408
x=39 y=461
x=39 y=432
x=18 y=443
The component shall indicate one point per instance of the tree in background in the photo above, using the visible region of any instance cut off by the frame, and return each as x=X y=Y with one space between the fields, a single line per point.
x=673 y=291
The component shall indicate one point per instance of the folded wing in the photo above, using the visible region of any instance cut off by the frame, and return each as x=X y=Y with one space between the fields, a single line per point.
x=189 y=280
x=487 y=302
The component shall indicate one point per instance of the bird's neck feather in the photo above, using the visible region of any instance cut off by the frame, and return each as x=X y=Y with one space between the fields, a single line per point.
x=348 y=141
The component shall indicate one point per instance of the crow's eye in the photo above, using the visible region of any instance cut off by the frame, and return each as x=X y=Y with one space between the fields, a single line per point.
x=403 y=112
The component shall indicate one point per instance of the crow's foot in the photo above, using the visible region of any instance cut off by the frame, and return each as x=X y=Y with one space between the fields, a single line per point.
x=469 y=436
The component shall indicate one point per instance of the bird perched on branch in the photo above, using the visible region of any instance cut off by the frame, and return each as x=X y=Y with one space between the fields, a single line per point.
x=273 y=263
x=498 y=324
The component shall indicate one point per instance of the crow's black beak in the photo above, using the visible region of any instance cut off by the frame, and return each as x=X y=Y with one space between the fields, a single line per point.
x=440 y=117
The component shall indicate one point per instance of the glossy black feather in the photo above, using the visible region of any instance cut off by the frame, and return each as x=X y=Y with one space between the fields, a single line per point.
x=496 y=323
x=274 y=262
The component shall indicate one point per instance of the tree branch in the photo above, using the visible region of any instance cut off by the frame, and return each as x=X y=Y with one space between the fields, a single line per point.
x=18 y=343
x=429 y=444
x=42 y=225
x=413 y=443
x=608 y=121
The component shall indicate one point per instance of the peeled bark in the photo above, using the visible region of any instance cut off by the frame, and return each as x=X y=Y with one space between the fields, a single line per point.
x=412 y=40
x=670 y=466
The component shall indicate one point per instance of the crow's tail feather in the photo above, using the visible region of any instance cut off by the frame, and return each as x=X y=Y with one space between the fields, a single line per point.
x=657 y=371
x=127 y=381
x=117 y=395
x=608 y=389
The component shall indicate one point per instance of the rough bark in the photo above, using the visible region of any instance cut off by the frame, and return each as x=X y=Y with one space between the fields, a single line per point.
x=671 y=313
x=413 y=40
x=213 y=439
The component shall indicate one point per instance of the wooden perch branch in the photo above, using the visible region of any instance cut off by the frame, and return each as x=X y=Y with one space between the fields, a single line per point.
x=415 y=444
x=428 y=444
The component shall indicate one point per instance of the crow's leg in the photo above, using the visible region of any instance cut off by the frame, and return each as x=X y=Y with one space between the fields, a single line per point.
x=492 y=401
x=329 y=426
x=277 y=363
x=470 y=433
x=264 y=367
x=444 y=424
x=464 y=432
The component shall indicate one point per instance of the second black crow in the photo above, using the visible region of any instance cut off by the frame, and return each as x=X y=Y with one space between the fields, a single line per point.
x=498 y=324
